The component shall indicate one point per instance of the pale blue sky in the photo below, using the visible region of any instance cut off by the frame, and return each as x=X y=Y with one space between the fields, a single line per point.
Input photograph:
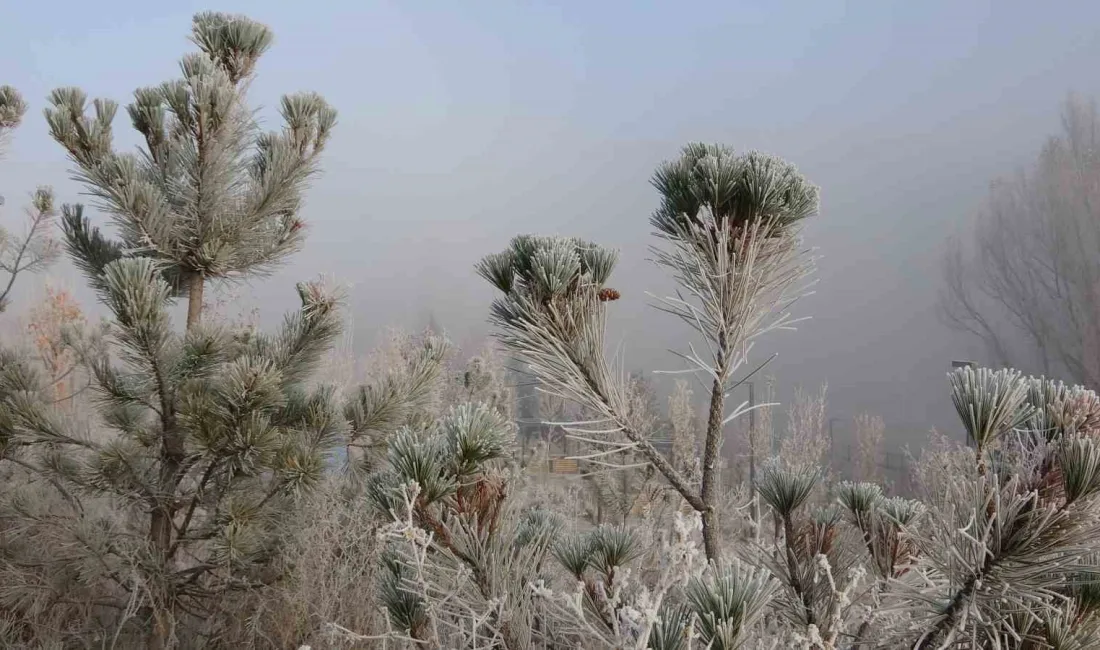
x=464 y=123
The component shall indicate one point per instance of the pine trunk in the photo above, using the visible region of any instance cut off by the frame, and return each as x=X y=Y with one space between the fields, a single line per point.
x=709 y=491
x=160 y=540
x=194 y=300
x=161 y=519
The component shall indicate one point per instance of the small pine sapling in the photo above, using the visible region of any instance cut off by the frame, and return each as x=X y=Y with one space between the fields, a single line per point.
x=729 y=229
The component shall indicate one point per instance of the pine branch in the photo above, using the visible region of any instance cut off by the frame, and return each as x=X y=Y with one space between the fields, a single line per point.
x=12 y=108
x=88 y=248
x=34 y=250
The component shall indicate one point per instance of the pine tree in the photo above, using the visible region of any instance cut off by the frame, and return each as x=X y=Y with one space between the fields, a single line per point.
x=729 y=226
x=208 y=437
x=210 y=196
x=457 y=547
x=1013 y=539
x=204 y=439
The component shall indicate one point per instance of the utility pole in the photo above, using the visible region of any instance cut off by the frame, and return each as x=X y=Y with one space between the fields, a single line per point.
x=832 y=441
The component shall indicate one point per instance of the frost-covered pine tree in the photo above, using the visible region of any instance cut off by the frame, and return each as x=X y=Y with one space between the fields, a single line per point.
x=1007 y=553
x=1002 y=551
x=175 y=491
x=728 y=226
x=210 y=195
x=172 y=499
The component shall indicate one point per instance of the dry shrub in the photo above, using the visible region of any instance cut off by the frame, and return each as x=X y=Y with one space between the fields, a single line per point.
x=47 y=323
x=331 y=561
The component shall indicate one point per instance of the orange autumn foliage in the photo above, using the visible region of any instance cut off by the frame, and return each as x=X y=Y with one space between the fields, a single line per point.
x=47 y=321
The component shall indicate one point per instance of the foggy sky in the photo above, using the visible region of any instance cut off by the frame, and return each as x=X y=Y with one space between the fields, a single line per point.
x=465 y=123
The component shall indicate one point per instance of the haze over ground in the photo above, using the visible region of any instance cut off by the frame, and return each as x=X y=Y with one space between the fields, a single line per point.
x=463 y=124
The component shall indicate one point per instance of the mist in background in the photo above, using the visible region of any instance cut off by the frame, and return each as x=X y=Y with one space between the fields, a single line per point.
x=464 y=124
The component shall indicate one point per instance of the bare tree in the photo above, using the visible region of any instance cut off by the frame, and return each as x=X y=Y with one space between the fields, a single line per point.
x=807 y=441
x=1030 y=287
x=684 y=425
x=32 y=249
x=869 y=454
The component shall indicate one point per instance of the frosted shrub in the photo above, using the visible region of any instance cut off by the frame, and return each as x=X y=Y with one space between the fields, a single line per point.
x=464 y=567
x=1000 y=551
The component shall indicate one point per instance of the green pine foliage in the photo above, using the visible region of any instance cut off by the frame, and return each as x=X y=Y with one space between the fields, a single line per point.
x=12 y=109
x=209 y=195
x=177 y=493
x=729 y=226
x=206 y=440
x=208 y=436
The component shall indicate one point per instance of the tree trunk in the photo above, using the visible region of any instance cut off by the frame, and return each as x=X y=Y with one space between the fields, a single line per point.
x=161 y=526
x=709 y=491
x=754 y=508
x=194 y=300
